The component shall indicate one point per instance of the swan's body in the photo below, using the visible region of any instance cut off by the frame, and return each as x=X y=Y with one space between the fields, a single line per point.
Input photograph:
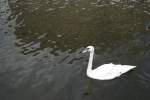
x=106 y=71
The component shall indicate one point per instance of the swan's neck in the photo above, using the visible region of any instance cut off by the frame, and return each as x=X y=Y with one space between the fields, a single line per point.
x=89 y=68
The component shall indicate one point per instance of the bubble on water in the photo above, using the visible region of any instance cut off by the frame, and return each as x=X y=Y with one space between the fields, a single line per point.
x=66 y=3
x=49 y=40
x=53 y=42
x=76 y=38
x=69 y=50
x=55 y=46
x=83 y=8
x=59 y=35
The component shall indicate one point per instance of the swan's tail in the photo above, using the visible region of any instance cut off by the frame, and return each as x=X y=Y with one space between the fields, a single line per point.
x=126 y=68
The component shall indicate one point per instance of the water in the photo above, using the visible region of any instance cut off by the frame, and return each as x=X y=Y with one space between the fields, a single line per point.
x=41 y=41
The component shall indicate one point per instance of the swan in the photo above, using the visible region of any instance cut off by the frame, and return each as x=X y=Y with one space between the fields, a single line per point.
x=105 y=71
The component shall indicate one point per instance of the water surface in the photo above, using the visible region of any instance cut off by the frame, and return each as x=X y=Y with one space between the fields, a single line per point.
x=41 y=41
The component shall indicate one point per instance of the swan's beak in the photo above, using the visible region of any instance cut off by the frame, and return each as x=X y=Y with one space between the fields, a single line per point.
x=85 y=50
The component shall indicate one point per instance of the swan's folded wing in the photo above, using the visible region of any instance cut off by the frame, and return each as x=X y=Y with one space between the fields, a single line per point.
x=121 y=69
x=102 y=70
x=111 y=71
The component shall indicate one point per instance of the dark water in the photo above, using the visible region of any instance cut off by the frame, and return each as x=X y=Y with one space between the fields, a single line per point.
x=41 y=41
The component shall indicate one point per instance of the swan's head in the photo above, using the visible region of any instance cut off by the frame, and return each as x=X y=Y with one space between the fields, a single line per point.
x=88 y=49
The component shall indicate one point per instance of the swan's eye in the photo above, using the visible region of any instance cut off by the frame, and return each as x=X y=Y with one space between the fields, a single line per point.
x=88 y=49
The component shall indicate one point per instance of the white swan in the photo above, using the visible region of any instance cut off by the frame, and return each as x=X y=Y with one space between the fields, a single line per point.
x=106 y=71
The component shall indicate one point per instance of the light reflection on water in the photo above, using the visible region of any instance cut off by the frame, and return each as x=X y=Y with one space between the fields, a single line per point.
x=41 y=41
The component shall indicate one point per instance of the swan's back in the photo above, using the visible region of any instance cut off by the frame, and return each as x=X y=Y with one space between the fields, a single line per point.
x=109 y=71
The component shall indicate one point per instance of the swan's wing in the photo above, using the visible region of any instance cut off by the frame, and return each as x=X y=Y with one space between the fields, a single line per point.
x=110 y=71
x=118 y=70
x=102 y=70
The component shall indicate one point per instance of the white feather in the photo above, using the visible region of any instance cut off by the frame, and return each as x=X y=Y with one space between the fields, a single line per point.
x=106 y=71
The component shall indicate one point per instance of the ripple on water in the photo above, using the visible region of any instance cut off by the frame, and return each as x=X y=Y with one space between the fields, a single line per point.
x=41 y=43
